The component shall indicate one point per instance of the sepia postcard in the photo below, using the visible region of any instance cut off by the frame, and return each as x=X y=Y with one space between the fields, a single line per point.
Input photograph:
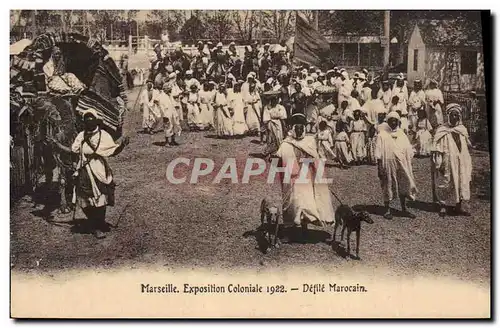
x=254 y=164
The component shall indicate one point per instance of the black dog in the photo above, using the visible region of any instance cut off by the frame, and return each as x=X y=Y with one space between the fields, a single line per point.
x=270 y=218
x=352 y=221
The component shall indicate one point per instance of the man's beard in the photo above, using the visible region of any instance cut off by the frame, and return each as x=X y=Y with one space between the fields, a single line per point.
x=295 y=135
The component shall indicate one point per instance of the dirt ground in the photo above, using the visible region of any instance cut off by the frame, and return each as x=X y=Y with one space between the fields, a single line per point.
x=209 y=225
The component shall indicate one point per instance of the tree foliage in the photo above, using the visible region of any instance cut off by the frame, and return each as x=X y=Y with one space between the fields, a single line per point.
x=246 y=22
x=164 y=20
x=192 y=30
x=245 y=25
x=278 y=24
x=352 y=22
x=218 y=24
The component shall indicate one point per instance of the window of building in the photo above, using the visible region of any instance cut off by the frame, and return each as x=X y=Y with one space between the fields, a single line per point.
x=415 y=59
x=468 y=62
x=336 y=53
x=370 y=54
x=351 y=54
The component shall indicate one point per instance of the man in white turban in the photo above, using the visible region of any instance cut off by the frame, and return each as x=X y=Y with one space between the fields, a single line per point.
x=190 y=80
x=394 y=154
x=452 y=164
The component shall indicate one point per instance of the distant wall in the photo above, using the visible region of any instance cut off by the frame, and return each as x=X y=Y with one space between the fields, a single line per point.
x=139 y=57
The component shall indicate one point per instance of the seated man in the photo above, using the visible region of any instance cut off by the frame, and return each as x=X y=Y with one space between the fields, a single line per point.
x=58 y=80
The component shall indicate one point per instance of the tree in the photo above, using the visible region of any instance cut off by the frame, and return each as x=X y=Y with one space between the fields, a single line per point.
x=102 y=21
x=352 y=22
x=246 y=22
x=279 y=24
x=165 y=20
x=192 y=30
x=219 y=24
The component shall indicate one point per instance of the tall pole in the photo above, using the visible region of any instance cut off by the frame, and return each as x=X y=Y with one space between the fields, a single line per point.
x=33 y=23
x=316 y=20
x=387 y=25
x=260 y=26
x=84 y=18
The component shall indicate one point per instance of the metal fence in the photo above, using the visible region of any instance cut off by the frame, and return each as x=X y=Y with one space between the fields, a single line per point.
x=474 y=116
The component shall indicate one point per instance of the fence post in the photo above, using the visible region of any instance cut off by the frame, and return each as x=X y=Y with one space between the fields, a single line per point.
x=146 y=44
x=130 y=45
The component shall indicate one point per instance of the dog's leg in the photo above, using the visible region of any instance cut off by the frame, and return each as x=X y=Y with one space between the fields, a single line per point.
x=358 y=233
x=342 y=232
x=268 y=229
x=348 y=243
x=263 y=207
x=276 y=231
x=334 y=232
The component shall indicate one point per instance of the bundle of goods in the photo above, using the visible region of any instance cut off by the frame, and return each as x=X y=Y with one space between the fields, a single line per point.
x=75 y=67
x=324 y=89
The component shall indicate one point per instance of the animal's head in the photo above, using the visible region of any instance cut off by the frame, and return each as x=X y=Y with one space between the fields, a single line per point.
x=272 y=213
x=44 y=109
x=364 y=216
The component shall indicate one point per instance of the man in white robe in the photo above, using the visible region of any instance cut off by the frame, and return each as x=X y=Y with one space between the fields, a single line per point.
x=171 y=121
x=385 y=94
x=149 y=105
x=435 y=101
x=306 y=199
x=452 y=163
x=190 y=80
x=416 y=101
x=394 y=154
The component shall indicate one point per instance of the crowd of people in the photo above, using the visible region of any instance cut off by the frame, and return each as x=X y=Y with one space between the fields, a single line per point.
x=358 y=120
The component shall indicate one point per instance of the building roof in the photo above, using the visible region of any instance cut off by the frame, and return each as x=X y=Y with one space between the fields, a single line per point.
x=448 y=33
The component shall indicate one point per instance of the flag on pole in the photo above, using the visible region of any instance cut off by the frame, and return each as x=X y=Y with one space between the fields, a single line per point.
x=310 y=46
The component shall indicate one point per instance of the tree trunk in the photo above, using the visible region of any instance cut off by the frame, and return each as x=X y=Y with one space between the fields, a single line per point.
x=401 y=46
x=63 y=22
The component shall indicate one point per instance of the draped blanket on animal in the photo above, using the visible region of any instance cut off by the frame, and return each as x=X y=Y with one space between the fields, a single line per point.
x=85 y=63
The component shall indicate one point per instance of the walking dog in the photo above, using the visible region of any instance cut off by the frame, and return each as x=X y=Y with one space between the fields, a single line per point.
x=351 y=221
x=270 y=217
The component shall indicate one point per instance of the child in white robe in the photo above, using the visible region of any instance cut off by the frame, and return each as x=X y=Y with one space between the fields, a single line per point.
x=435 y=101
x=194 y=118
x=324 y=140
x=342 y=152
x=423 y=136
x=207 y=97
x=150 y=110
x=236 y=104
x=253 y=110
x=169 y=114
x=385 y=94
x=357 y=137
x=224 y=125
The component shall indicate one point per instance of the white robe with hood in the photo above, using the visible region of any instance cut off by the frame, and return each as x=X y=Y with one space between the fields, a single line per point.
x=308 y=202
